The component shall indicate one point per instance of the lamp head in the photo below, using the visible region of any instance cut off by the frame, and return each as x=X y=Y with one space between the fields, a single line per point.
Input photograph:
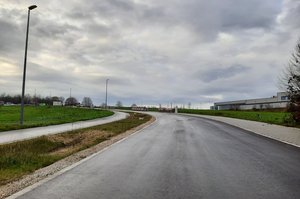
x=32 y=7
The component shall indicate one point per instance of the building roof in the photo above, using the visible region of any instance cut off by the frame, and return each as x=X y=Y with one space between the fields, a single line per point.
x=273 y=99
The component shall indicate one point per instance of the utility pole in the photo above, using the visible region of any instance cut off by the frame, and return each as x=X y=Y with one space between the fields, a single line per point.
x=106 y=93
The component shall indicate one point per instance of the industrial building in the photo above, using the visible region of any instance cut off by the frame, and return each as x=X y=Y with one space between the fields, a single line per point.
x=281 y=100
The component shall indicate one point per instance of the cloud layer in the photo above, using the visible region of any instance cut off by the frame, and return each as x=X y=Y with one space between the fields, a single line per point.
x=153 y=52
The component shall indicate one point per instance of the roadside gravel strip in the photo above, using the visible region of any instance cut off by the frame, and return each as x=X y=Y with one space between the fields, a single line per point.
x=57 y=168
x=22 y=134
x=284 y=134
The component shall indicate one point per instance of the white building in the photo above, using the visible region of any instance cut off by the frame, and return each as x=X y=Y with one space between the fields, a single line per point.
x=57 y=103
x=279 y=101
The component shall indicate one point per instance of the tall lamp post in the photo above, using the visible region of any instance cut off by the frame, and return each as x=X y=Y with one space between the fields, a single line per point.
x=106 y=93
x=25 y=61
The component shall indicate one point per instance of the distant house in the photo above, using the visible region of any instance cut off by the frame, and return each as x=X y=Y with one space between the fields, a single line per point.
x=139 y=108
x=1 y=103
x=281 y=100
x=9 y=104
x=57 y=103
x=168 y=110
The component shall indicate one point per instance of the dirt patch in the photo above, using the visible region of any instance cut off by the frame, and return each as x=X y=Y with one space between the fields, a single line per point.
x=38 y=175
x=78 y=141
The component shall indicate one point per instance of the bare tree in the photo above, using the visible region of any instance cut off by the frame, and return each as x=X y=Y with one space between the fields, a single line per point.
x=71 y=101
x=290 y=81
x=87 y=102
x=119 y=104
x=62 y=99
x=55 y=98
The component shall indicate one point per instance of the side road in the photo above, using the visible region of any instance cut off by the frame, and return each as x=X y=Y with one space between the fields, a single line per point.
x=22 y=134
x=284 y=134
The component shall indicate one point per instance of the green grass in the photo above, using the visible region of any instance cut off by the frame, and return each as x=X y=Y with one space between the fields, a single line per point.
x=43 y=116
x=23 y=157
x=134 y=120
x=279 y=118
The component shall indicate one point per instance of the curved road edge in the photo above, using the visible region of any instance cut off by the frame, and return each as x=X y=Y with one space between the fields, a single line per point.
x=29 y=182
x=287 y=135
x=24 y=134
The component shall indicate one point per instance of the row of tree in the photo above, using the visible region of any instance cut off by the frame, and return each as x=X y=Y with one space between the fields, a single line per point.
x=37 y=99
x=28 y=99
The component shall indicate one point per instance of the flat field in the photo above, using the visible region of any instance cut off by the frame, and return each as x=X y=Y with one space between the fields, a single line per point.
x=44 y=116
x=280 y=118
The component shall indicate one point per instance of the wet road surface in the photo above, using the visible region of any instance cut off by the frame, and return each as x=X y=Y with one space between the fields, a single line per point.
x=183 y=157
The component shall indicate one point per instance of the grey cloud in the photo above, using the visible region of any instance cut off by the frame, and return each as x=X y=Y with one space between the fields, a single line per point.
x=107 y=8
x=7 y=34
x=222 y=73
x=114 y=80
x=122 y=14
x=51 y=29
x=11 y=37
x=100 y=30
x=248 y=85
x=150 y=48
x=155 y=15
x=207 y=18
x=43 y=74
x=292 y=14
x=249 y=14
x=121 y=4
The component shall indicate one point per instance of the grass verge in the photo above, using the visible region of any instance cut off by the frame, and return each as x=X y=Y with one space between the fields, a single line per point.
x=44 y=116
x=20 y=158
x=280 y=118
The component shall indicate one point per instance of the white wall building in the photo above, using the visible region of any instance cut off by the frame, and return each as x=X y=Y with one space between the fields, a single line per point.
x=279 y=101
x=57 y=103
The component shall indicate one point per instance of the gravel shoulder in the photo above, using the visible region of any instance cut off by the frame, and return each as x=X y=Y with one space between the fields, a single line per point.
x=61 y=165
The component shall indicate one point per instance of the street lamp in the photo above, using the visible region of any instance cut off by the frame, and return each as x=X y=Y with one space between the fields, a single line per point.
x=106 y=93
x=25 y=61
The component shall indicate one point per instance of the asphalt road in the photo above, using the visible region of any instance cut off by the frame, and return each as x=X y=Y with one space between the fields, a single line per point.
x=183 y=157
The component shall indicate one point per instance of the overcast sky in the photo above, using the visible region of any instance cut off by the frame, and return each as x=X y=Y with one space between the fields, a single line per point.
x=153 y=51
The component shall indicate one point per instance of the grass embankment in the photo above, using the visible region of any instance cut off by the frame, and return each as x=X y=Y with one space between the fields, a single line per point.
x=44 y=116
x=20 y=158
x=280 y=118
